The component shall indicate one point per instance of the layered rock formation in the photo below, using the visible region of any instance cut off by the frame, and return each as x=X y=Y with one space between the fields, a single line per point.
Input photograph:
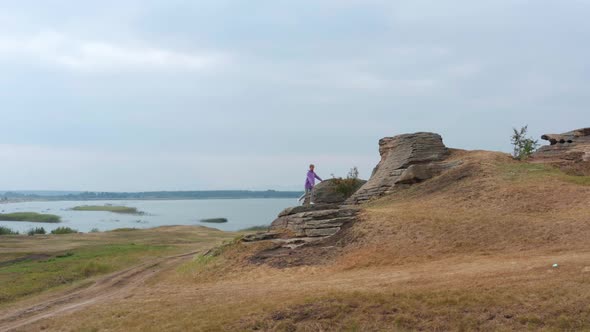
x=315 y=220
x=573 y=146
x=405 y=159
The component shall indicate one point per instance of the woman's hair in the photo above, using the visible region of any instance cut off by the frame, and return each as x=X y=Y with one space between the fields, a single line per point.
x=311 y=165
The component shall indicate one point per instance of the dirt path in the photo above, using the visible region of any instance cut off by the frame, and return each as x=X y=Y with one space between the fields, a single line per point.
x=114 y=286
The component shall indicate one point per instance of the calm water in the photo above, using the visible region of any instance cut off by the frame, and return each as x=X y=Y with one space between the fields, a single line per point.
x=241 y=213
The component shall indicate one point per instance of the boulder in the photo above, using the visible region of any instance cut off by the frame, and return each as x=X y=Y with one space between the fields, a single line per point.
x=405 y=159
x=418 y=173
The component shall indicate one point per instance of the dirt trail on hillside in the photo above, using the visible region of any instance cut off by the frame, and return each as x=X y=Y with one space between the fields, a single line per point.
x=114 y=286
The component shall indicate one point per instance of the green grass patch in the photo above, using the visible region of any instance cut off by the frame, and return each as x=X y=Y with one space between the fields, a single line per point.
x=33 y=276
x=523 y=171
x=124 y=229
x=30 y=216
x=108 y=208
x=32 y=264
x=7 y=231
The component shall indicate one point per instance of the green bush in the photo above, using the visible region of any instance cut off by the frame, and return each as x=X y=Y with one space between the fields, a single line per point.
x=7 y=231
x=95 y=230
x=36 y=230
x=93 y=268
x=64 y=230
x=349 y=185
x=523 y=146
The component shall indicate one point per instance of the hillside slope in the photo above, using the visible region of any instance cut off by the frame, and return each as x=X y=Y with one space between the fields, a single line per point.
x=470 y=249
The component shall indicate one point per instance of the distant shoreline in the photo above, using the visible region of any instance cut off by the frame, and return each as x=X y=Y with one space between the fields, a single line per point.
x=29 y=198
x=133 y=199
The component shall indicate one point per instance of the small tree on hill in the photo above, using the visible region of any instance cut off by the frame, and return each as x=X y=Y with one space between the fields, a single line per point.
x=523 y=146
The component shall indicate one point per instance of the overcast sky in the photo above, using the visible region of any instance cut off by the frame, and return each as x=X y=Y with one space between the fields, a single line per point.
x=136 y=95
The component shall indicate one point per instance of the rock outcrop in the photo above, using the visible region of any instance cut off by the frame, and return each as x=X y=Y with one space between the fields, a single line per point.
x=573 y=146
x=405 y=159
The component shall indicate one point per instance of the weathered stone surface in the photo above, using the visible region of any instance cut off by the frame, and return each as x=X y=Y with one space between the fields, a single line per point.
x=573 y=146
x=417 y=173
x=312 y=232
x=336 y=222
x=407 y=158
x=297 y=242
x=304 y=223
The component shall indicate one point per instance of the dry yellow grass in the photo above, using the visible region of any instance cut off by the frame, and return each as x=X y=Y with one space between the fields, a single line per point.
x=469 y=250
x=502 y=206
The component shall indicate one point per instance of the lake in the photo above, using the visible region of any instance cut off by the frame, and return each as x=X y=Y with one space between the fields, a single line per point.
x=241 y=213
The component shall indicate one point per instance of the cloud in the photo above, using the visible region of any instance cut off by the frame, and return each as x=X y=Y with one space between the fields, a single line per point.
x=233 y=85
x=60 y=50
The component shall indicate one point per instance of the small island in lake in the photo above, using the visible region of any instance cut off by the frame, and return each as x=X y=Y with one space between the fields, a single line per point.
x=30 y=216
x=108 y=208
x=215 y=220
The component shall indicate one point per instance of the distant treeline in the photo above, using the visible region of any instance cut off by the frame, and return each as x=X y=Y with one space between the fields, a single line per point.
x=210 y=194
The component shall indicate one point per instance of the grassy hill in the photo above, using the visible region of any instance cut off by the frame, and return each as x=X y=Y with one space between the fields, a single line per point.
x=489 y=205
x=471 y=249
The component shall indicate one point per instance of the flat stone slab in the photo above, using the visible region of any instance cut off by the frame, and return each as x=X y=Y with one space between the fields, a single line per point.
x=260 y=236
x=308 y=208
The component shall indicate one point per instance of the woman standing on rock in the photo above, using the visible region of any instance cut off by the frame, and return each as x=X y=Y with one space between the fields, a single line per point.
x=310 y=183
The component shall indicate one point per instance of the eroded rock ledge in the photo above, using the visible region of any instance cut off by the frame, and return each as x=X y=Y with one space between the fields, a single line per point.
x=573 y=146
